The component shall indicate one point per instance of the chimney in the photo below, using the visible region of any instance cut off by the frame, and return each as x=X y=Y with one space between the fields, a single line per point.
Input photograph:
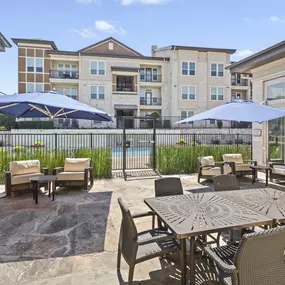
x=153 y=48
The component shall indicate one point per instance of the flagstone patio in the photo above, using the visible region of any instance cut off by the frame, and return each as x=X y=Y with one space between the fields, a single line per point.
x=73 y=240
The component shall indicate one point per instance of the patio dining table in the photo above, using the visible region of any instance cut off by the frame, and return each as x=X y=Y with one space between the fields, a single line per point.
x=266 y=201
x=192 y=215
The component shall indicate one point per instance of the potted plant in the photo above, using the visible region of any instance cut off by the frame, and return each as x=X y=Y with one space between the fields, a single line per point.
x=181 y=142
x=38 y=144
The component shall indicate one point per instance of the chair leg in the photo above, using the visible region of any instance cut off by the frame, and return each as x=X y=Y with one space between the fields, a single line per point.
x=131 y=274
x=119 y=258
x=218 y=239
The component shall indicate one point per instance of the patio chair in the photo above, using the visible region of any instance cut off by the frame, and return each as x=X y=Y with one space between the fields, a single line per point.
x=76 y=171
x=239 y=165
x=17 y=178
x=208 y=168
x=257 y=260
x=168 y=186
x=277 y=171
x=138 y=247
x=225 y=182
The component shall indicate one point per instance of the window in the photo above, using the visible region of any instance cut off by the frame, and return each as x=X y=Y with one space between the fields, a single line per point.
x=142 y=74
x=35 y=64
x=39 y=65
x=188 y=93
x=101 y=68
x=97 y=67
x=70 y=92
x=188 y=68
x=217 y=93
x=276 y=91
x=212 y=122
x=74 y=93
x=154 y=74
x=93 y=67
x=97 y=92
x=30 y=64
x=217 y=69
x=111 y=46
x=35 y=87
x=186 y=114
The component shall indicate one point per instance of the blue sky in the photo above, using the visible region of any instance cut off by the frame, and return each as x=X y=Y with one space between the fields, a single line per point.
x=246 y=25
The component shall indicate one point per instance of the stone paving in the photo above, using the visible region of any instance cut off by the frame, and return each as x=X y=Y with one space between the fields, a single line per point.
x=73 y=240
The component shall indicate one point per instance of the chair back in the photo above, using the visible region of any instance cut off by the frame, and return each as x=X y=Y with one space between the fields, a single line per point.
x=225 y=182
x=76 y=164
x=24 y=167
x=128 y=234
x=260 y=258
x=233 y=157
x=168 y=186
x=206 y=161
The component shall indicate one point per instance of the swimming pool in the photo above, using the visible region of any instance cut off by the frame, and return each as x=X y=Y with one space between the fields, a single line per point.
x=133 y=151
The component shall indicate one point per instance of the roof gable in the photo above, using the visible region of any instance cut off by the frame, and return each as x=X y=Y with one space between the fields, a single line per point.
x=102 y=47
x=4 y=42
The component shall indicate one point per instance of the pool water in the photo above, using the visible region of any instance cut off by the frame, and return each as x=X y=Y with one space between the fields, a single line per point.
x=134 y=151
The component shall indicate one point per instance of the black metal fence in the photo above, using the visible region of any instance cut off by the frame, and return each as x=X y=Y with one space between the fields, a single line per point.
x=106 y=150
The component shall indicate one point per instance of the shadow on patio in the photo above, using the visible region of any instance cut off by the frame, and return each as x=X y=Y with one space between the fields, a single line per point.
x=75 y=223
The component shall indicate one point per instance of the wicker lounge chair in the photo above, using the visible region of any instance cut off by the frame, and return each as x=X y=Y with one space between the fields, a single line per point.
x=239 y=165
x=277 y=171
x=208 y=168
x=76 y=171
x=138 y=247
x=225 y=182
x=17 y=178
x=257 y=260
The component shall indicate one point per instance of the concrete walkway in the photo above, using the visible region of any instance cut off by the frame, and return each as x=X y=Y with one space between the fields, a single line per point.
x=74 y=239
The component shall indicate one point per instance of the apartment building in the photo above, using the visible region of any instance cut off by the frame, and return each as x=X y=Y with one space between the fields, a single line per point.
x=4 y=43
x=173 y=83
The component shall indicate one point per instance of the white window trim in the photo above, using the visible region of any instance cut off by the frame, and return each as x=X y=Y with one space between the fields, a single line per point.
x=97 y=91
x=97 y=68
x=217 y=94
x=188 y=69
x=188 y=99
x=35 y=65
x=217 y=63
x=35 y=83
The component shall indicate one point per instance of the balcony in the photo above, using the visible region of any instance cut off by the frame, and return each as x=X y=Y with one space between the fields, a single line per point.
x=124 y=88
x=150 y=102
x=150 y=78
x=64 y=75
x=241 y=82
x=124 y=84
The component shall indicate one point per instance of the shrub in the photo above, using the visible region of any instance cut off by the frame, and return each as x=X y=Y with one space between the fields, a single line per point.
x=166 y=124
x=35 y=125
x=216 y=141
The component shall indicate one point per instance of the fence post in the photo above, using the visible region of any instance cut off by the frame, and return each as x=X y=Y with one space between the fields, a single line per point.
x=91 y=141
x=55 y=142
x=237 y=141
x=194 y=139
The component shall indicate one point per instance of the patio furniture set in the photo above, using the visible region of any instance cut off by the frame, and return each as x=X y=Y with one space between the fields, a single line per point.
x=28 y=175
x=255 y=259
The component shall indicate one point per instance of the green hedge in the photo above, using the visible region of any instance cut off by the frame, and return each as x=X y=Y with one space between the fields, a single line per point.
x=101 y=159
x=35 y=125
x=183 y=160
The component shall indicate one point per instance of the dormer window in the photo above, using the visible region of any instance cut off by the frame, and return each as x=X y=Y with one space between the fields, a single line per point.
x=111 y=46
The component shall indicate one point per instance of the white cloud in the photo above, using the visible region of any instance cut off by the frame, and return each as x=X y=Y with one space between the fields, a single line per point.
x=100 y=27
x=276 y=19
x=243 y=53
x=88 y=1
x=108 y=27
x=129 y=2
x=87 y=33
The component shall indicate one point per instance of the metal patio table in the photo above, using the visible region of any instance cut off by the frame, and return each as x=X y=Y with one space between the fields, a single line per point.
x=266 y=201
x=191 y=215
x=261 y=168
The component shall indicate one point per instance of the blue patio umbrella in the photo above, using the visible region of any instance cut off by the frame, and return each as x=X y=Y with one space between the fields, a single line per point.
x=239 y=110
x=49 y=105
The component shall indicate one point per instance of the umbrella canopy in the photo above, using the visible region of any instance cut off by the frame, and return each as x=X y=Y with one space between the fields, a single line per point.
x=239 y=110
x=49 y=105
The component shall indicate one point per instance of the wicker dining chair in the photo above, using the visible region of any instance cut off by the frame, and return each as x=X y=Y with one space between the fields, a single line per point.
x=225 y=182
x=257 y=260
x=138 y=247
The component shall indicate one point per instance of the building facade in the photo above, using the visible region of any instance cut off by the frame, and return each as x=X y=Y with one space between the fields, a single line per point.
x=173 y=83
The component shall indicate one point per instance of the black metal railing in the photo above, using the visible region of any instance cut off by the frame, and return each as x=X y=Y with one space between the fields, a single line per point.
x=241 y=82
x=125 y=88
x=64 y=74
x=151 y=102
x=150 y=78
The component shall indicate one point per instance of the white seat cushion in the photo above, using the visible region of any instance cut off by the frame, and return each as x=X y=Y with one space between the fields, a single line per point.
x=233 y=157
x=216 y=171
x=76 y=164
x=243 y=167
x=22 y=179
x=71 y=176
x=279 y=170
x=25 y=167
x=207 y=160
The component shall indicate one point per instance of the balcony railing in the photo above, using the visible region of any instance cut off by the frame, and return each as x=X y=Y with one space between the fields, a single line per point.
x=150 y=78
x=125 y=88
x=74 y=74
x=242 y=82
x=150 y=102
